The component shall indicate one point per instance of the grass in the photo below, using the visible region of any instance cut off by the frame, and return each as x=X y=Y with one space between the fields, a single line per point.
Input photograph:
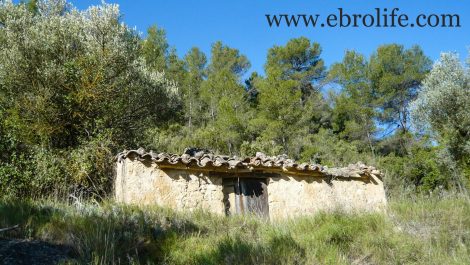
x=423 y=230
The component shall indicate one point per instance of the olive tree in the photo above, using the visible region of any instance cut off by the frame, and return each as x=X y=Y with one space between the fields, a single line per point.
x=71 y=78
x=67 y=73
x=442 y=108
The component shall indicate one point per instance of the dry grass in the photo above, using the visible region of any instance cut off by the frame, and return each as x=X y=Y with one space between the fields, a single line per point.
x=423 y=230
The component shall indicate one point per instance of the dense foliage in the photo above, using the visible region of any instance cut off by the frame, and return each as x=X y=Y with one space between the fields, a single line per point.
x=442 y=109
x=76 y=87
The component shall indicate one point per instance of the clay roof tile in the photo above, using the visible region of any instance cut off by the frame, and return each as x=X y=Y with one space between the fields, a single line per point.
x=196 y=157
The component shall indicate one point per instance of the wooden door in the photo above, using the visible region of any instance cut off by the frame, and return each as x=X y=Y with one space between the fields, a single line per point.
x=250 y=196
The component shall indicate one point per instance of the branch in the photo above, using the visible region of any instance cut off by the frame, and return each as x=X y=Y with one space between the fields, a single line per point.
x=9 y=228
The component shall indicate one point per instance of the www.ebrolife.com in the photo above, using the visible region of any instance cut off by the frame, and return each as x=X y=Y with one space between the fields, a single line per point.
x=380 y=18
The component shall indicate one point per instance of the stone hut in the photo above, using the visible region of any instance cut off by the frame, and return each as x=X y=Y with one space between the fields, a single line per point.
x=272 y=187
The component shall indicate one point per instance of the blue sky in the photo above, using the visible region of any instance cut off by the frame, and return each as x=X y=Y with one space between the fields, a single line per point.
x=242 y=24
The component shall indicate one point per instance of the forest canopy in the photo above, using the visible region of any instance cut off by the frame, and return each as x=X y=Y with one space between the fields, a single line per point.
x=78 y=86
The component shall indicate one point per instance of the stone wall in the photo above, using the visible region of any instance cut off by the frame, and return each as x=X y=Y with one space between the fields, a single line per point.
x=142 y=183
x=294 y=196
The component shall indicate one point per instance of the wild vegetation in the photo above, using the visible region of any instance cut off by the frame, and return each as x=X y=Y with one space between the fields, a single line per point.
x=78 y=86
x=419 y=231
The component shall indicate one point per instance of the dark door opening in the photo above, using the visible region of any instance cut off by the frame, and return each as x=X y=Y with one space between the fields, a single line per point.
x=246 y=196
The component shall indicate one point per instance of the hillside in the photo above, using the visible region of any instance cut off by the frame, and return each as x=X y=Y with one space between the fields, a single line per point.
x=423 y=230
x=79 y=85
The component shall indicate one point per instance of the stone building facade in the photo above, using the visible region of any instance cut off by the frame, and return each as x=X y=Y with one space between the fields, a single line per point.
x=272 y=187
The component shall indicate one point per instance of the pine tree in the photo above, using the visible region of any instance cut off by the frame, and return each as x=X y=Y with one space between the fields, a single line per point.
x=354 y=111
x=290 y=103
x=225 y=98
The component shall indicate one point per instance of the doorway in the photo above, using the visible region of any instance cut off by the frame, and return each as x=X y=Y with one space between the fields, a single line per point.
x=246 y=196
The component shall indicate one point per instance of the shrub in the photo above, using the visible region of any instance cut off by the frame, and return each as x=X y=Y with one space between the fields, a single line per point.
x=418 y=172
x=74 y=89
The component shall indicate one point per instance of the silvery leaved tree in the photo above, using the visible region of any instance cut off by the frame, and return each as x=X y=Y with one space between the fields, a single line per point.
x=69 y=78
x=443 y=109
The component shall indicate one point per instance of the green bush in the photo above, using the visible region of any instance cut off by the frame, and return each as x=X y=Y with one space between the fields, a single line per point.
x=418 y=172
x=327 y=149
x=85 y=171
x=16 y=169
x=16 y=176
x=424 y=170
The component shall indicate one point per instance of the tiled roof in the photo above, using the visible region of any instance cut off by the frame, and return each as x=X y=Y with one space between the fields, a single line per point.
x=200 y=158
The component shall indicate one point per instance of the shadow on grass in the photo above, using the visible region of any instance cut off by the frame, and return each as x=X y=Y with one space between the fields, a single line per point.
x=17 y=251
x=281 y=249
x=103 y=234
